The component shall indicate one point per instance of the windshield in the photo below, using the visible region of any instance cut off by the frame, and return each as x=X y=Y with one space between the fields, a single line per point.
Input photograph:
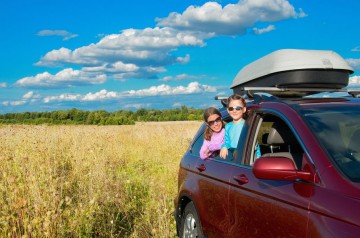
x=338 y=130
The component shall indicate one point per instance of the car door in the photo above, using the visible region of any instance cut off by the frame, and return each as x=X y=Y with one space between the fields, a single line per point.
x=209 y=189
x=264 y=208
x=213 y=192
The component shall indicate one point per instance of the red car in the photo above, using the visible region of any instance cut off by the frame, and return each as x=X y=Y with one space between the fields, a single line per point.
x=306 y=182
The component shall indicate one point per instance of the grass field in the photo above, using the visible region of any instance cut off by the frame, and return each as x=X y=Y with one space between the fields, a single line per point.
x=90 y=181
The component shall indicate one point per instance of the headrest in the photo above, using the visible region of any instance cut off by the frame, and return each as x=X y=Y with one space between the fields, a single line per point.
x=280 y=133
x=274 y=137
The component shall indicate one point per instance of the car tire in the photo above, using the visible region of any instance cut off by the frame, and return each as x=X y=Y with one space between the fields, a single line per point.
x=190 y=223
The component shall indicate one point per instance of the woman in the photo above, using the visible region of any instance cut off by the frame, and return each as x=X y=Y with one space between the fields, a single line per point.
x=213 y=135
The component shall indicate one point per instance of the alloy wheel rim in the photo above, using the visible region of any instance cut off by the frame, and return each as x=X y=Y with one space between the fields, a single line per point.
x=190 y=229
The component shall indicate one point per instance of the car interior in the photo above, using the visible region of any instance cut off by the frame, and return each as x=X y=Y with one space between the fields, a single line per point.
x=276 y=139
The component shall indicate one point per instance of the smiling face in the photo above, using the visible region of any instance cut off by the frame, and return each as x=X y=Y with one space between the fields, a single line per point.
x=215 y=123
x=236 y=109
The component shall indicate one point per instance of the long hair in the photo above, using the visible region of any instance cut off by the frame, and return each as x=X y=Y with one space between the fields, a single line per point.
x=238 y=97
x=207 y=113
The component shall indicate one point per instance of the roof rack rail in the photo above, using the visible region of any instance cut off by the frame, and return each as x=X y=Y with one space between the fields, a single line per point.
x=288 y=92
x=258 y=94
x=354 y=92
x=223 y=100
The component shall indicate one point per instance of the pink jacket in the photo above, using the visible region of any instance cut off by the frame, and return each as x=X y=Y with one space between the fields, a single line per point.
x=213 y=145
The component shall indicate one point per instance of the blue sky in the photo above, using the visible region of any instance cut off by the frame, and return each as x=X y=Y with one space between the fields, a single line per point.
x=113 y=55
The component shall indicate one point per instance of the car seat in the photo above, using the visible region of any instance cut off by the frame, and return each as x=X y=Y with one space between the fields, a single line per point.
x=282 y=143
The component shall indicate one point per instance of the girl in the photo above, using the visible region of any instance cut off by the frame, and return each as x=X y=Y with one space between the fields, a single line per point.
x=236 y=107
x=214 y=133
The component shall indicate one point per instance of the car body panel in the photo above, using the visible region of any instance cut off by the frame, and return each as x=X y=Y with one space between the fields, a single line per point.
x=333 y=214
x=213 y=184
x=255 y=205
x=232 y=202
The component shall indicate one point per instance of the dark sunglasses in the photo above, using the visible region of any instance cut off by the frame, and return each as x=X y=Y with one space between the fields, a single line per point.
x=211 y=123
x=237 y=108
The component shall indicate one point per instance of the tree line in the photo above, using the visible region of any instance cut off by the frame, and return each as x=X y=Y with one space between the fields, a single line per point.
x=101 y=117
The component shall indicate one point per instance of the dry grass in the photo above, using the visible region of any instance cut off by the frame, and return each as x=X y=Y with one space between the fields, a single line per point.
x=90 y=181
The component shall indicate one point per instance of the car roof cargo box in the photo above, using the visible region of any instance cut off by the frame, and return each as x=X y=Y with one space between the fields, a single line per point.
x=295 y=68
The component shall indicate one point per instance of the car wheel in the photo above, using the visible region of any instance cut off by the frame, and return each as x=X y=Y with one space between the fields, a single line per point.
x=190 y=223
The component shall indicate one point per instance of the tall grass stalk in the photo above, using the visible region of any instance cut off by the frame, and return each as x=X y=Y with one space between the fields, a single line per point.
x=90 y=181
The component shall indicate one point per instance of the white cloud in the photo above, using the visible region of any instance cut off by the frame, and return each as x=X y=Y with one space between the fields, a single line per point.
x=65 y=55
x=177 y=105
x=101 y=95
x=258 y=31
x=64 y=34
x=355 y=63
x=354 y=81
x=181 y=77
x=193 y=87
x=356 y=49
x=183 y=60
x=138 y=105
x=63 y=97
x=301 y=13
x=130 y=54
x=17 y=103
x=28 y=97
x=144 y=53
x=151 y=39
x=65 y=78
x=143 y=72
x=161 y=90
x=3 y=85
x=232 y=19
x=117 y=67
x=150 y=46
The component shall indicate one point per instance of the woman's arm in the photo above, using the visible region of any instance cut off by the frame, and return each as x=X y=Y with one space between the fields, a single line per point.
x=204 y=151
x=217 y=140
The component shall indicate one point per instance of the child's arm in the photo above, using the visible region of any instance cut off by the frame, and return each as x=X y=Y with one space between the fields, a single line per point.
x=226 y=145
x=227 y=142
x=224 y=152
x=257 y=151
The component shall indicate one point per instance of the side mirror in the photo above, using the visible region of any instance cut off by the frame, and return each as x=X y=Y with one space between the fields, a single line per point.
x=278 y=168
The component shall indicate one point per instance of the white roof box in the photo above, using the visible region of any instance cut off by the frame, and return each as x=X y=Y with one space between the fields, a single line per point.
x=295 y=68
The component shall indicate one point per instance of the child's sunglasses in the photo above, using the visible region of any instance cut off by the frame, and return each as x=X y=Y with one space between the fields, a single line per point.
x=217 y=120
x=237 y=108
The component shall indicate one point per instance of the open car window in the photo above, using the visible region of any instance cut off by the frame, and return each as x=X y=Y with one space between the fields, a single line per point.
x=275 y=139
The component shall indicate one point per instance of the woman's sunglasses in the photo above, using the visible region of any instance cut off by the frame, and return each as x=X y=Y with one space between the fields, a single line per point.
x=237 y=108
x=217 y=120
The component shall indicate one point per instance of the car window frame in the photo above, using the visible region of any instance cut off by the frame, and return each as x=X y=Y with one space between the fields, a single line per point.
x=199 y=137
x=230 y=159
x=261 y=113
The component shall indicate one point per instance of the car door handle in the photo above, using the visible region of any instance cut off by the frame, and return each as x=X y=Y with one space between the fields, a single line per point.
x=241 y=179
x=201 y=167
